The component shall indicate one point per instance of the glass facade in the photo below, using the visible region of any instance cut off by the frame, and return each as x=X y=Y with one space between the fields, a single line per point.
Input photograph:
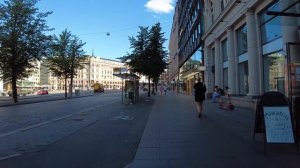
x=224 y=50
x=274 y=72
x=194 y=62
x=274 y=65
x=242 y=40
x=270 y=26
x=225 y=77
x=243 y=78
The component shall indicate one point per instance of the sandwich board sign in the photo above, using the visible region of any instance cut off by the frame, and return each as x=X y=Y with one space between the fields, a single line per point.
x=278 y=125
x=275 y=120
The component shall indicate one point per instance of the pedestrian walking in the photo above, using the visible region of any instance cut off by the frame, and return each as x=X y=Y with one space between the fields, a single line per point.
x=200 y=90
x=165 y=90
x=162 y=88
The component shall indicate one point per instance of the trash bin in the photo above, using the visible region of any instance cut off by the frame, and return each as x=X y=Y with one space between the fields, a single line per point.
x=77 y=92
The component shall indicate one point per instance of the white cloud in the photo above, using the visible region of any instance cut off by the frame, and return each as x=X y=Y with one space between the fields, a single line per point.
x=160 y=6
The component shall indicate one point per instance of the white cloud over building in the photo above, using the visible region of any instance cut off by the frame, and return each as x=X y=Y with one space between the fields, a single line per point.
x=160 y=6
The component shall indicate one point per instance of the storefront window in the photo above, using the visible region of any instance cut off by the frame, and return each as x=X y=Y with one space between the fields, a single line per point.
x=274 y=70
x=270 y=26
x=225 y=77
x=242 y=40
x=194 y=62
x=224 y=50
x=243 y=78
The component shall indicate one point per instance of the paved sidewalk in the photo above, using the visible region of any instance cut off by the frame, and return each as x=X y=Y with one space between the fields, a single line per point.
x=175 y=137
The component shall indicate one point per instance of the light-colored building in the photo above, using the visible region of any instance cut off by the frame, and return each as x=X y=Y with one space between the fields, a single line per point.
x=252 y=46
x=1 y=86
x=32 y=80
x=96 y=70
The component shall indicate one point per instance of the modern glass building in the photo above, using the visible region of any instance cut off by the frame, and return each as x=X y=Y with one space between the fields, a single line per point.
x=187 y=34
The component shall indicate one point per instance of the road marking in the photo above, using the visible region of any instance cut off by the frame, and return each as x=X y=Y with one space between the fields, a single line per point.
x=122 y=117
x=63 y=117
x=52 y=120
x=34 y=126
x=8 y=133
x=48 y=122
x=10 y=156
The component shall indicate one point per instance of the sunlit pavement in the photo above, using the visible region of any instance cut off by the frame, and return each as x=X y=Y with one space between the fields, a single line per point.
x=175 y=137
x=98 y=129
x=32 y=125
x=53 y=95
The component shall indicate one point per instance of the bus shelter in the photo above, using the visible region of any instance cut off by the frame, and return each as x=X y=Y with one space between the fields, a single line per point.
x=130 y=87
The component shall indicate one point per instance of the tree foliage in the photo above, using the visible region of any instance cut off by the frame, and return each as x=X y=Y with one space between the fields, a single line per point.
x=156 y=51
x=66 y=56
x=148 y=53
x=22 y=39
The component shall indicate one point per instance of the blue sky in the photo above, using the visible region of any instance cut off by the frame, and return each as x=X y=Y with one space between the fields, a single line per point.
x=90 y=20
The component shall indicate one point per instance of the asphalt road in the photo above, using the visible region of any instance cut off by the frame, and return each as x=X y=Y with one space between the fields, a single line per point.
x=95 y=131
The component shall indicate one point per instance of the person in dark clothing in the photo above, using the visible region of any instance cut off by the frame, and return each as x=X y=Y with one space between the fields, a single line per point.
x=200 y=90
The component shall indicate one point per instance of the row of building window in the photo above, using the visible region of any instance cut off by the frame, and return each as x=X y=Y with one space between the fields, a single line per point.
x=273 y=63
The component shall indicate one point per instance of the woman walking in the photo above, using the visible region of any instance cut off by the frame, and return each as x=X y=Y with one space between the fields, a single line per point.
x=200 y=90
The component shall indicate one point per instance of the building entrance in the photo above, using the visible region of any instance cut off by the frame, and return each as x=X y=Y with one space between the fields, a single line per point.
x=294 y=80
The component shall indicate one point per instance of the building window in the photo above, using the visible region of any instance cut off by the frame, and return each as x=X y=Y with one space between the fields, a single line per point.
x=212 y=11
x=222 y=5
x=224 y=50
x=242 y=40
x=274 y=67
x=225 y=77
x=270 y=27
x=213 y=56
x=243 y=78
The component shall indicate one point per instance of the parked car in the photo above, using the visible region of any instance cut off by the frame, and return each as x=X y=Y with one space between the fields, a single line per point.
x=42 y=92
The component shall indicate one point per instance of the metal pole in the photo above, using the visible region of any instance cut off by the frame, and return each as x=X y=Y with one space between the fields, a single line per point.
x=122 y=88
x=133 y=98
x=89 y=74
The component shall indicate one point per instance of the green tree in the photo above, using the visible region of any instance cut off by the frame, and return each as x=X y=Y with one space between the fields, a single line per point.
x=67 y=56
x=22 y=39
x=137 y=60
x=156 y=51
x=148 y=54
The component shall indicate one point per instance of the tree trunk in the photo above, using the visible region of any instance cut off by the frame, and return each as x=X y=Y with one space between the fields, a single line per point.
x=14 y=87
x=66 y=93
x=149 y=87
x=153 y=86
x=72 y=74
x=71 y=85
